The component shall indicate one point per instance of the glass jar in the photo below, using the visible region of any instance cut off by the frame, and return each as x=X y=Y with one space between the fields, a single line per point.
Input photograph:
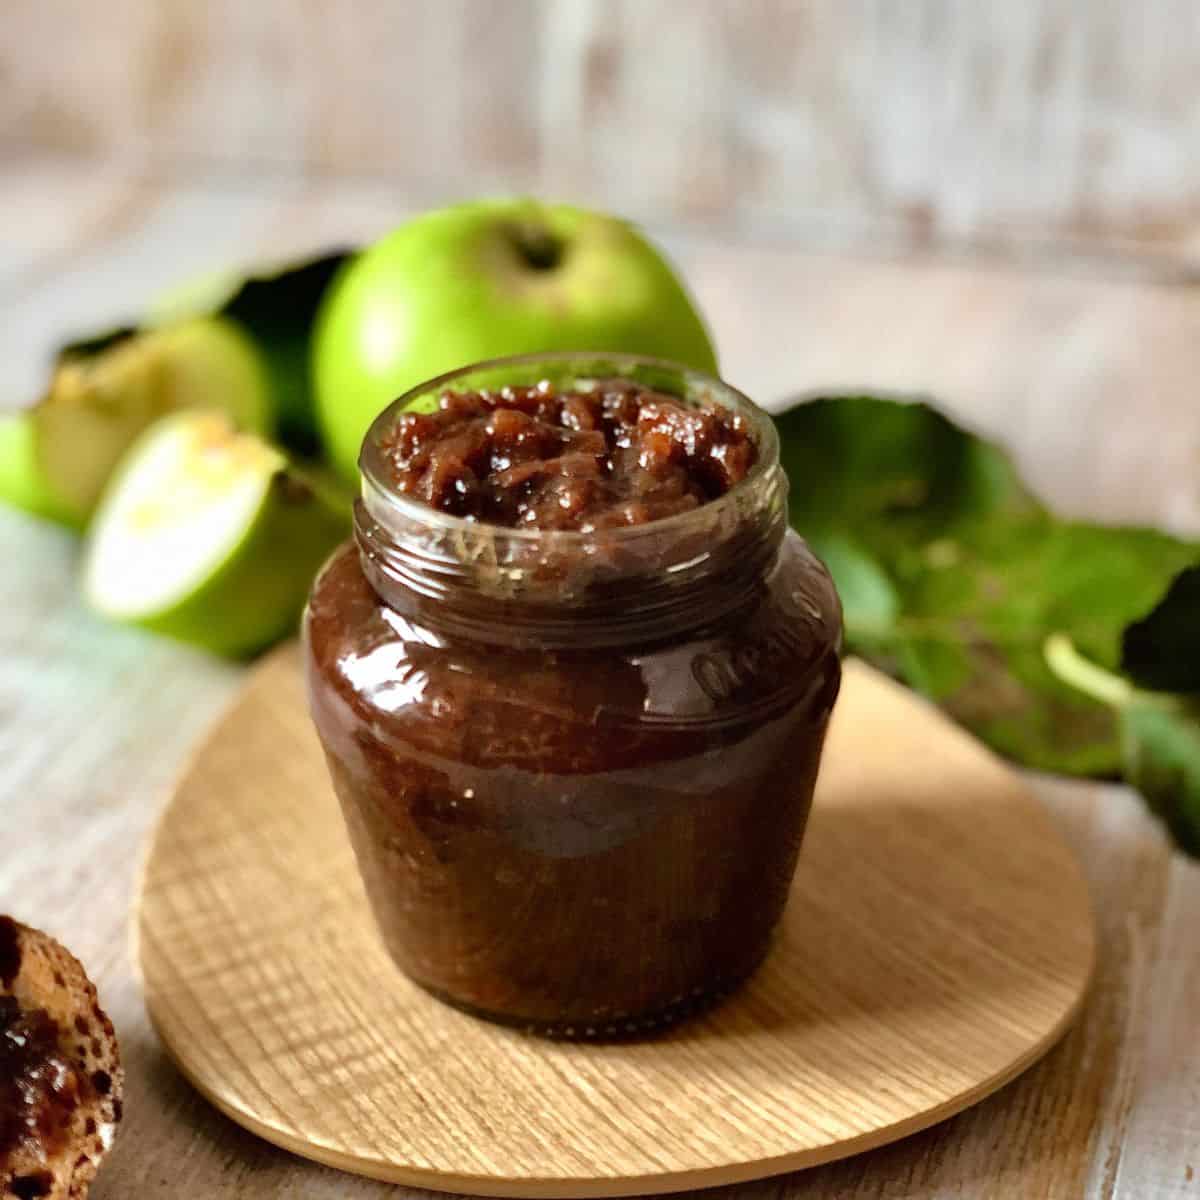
x=575 y=767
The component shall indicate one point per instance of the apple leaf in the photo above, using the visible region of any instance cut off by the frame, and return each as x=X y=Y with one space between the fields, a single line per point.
x=954 y=573
x=90 y=347
x=1162 y=746
x=1162 y=650
x=870 y=603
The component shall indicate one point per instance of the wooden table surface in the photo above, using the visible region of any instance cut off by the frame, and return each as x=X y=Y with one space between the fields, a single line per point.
x=1089 y=374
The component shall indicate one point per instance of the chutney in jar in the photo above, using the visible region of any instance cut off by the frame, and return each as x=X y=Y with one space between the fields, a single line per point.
x=572 y=679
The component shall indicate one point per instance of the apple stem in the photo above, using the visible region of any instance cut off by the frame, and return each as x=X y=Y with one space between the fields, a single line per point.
x=537 y=246
x=1078 y=672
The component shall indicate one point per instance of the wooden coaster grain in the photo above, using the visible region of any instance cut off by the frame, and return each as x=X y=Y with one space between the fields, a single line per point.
x=939 y=939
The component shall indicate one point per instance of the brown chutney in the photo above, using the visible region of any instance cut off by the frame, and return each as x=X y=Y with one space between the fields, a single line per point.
x=574 y=730
x=539 y=457
x=40 y=1086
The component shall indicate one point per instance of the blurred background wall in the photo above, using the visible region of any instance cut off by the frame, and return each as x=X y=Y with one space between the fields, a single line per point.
x=1009 y=185
x=1064 y=125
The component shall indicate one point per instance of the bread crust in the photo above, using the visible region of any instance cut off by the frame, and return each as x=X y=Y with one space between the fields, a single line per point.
x=40 y=973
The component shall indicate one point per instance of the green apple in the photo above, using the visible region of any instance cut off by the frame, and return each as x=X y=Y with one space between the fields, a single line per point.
x=56 y=457
x=22 y=482
x=483 y=280
x=210 y=536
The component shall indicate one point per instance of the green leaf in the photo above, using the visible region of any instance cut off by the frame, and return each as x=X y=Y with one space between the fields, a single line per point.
x=1160 y=739
x=954 y=573
x=869 y=601
x=1162 y=747
x=99 y=343
x=1162 y=650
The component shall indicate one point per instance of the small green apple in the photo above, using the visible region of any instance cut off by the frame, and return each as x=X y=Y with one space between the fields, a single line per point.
x=483 y=280
x=209 y=536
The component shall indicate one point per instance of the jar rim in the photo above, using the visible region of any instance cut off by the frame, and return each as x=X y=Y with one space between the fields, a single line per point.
x=383 y=500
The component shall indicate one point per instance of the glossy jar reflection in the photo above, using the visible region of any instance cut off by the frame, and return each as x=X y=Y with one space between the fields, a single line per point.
x=575 y=768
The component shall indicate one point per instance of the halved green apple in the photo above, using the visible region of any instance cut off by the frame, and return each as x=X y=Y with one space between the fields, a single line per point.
x=22 y=483
x=61 y=452
x=276 y=307
x=210 y=536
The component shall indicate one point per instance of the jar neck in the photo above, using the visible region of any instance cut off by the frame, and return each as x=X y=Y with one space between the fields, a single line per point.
x=563 y=590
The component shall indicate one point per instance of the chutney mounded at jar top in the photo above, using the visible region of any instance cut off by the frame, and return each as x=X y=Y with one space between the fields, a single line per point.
x=538 y=457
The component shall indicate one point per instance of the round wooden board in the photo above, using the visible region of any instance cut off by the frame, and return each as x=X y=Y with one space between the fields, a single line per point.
x=938 y=940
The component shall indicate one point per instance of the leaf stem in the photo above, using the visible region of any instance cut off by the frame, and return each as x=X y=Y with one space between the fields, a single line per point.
x=1078 y=672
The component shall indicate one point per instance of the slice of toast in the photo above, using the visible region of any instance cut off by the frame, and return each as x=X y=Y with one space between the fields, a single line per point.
x=61 y=1081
